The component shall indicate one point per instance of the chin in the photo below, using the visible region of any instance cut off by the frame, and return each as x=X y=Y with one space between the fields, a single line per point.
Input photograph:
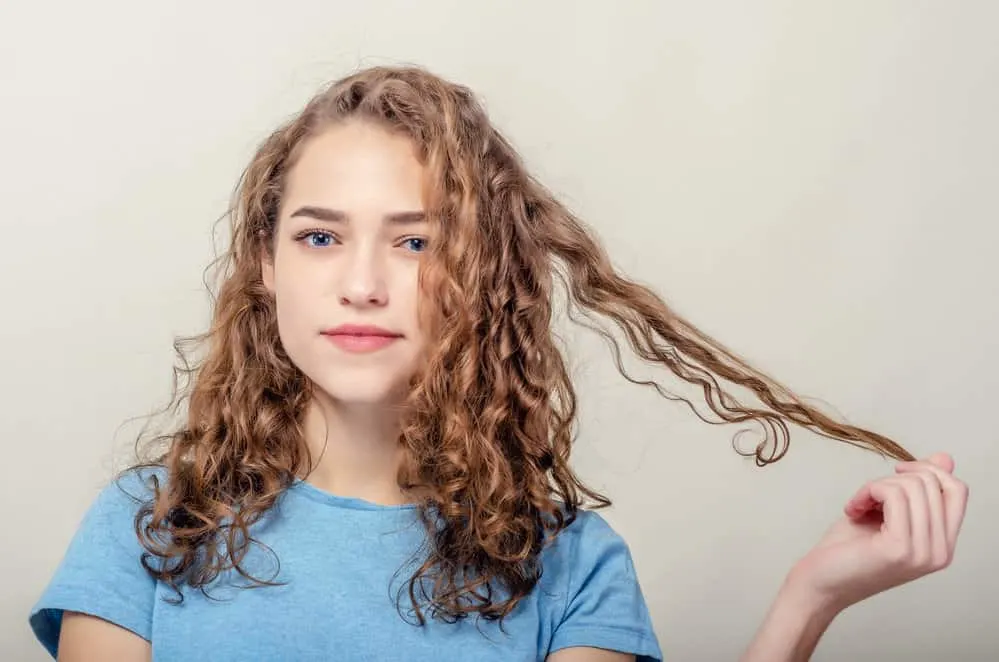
x=366 y=390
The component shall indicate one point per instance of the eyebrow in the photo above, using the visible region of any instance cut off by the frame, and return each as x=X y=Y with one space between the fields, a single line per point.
x=337 y=216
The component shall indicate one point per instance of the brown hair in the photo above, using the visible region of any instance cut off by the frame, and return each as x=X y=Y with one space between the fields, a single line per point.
x=489 y=420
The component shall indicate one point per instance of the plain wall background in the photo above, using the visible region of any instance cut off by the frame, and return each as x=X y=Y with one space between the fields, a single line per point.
x=815 y=183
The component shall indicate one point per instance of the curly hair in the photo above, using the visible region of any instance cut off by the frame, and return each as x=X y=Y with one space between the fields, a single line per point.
x=489 y=419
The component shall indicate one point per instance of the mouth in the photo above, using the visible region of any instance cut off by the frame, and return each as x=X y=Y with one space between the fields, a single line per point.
x=361 y=339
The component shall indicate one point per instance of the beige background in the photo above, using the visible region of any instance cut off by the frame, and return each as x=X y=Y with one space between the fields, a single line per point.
x=813 y=182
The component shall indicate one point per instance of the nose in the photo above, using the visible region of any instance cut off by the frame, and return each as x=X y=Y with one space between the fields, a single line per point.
x=362 y=282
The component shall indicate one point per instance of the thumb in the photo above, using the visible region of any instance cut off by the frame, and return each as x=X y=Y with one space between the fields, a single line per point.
x=943 y=461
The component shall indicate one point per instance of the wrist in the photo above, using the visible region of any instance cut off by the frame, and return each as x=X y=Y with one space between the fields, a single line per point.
x=808 y=606
x=796 y=621
x=801 y=593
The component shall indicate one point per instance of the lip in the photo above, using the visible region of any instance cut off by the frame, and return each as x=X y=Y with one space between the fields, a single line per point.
x=361 y=338
x=360 y=330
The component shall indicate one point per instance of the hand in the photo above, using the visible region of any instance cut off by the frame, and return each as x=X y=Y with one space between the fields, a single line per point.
x=895 y=530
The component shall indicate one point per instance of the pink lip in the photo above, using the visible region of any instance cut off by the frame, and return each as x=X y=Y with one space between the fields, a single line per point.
x=361 y=337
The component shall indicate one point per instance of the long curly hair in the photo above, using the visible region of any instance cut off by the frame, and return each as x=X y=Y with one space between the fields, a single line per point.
x=489 y=420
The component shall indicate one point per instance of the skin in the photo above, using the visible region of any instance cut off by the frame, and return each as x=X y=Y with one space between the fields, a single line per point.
x=363 y=268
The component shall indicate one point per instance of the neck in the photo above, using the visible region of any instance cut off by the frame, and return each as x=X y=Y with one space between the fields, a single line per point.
x=355 y=450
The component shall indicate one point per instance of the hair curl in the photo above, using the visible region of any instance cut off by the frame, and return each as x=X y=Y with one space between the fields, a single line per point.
x=489 y=420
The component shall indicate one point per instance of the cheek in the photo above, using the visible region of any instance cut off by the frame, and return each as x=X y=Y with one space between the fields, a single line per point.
x=293 y=327
x=413 y=300
x=294 y=295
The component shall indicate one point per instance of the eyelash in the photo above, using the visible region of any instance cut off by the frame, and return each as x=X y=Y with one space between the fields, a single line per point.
x=305 y=234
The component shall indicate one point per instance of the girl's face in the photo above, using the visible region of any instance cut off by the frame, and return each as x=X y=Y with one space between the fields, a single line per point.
x=346 y=263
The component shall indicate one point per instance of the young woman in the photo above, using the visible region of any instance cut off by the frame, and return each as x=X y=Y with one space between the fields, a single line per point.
x=374 y=463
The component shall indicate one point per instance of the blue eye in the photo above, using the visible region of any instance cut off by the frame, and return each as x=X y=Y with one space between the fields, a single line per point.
x=421 y=244
x=316 y=238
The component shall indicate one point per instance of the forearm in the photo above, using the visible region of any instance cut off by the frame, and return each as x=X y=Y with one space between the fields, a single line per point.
x=791 y=630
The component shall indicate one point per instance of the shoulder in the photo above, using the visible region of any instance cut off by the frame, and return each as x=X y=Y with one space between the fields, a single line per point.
x=591 y=525
x=114 y=509
x=599 y=602
x=588 y=540
x=132 y=487
x=101 y=572
x=586 y=553
x=586 y=557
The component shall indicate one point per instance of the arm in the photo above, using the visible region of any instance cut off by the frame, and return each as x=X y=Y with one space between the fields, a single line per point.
x=791 y=630
x=86 y=638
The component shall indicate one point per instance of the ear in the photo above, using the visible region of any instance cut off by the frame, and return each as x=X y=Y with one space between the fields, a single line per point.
x=267 y=269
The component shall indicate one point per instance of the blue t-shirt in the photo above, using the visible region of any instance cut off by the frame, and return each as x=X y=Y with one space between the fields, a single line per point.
x=340 y=562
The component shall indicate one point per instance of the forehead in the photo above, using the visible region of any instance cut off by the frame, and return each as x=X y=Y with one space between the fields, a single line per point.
x=357 y=166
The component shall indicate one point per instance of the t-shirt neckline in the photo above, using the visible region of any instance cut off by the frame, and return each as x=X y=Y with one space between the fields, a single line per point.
x=314 y=493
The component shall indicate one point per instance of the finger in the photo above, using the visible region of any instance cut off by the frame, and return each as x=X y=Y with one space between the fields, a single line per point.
x=861 y=503
x=943 y=461
x=939 y=549
x=939 y=544
x=945 y=477
x=955 y=494
x=919 y=517
x=895 y=506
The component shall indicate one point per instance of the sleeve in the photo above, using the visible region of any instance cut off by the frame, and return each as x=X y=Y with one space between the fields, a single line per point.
x=604 y=605
x=101 y=573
